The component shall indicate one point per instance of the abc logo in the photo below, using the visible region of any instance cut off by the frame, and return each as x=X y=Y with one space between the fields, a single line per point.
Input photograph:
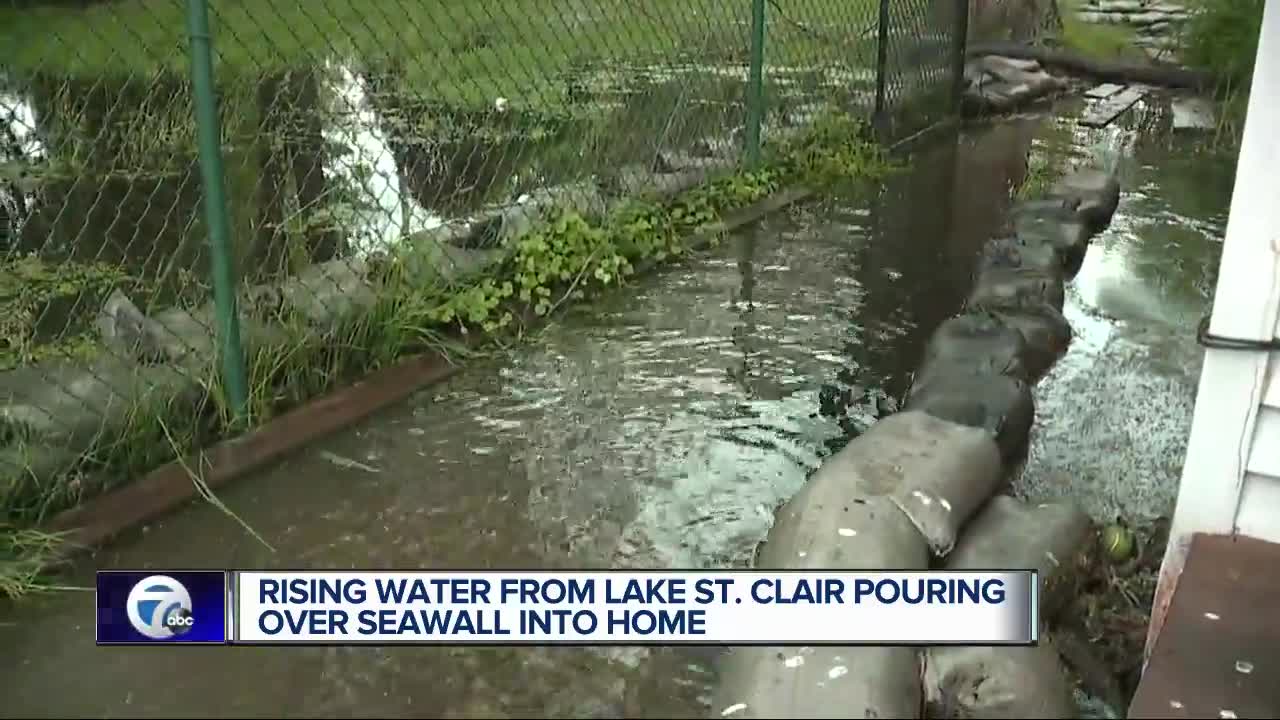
x=159 y=607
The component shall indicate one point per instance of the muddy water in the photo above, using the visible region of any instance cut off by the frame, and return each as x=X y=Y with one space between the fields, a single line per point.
x=658 y=428
x=1113 y=416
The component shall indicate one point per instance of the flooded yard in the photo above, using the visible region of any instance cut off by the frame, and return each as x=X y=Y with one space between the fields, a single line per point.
x=661 y=427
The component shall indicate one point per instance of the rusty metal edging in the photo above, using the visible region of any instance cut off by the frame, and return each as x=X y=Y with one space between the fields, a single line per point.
x=168 y=487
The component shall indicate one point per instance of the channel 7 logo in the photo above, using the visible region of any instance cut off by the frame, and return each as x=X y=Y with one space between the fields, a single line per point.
x=159 y=607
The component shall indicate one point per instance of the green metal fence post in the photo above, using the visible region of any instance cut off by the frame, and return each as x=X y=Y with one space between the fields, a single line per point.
x=961 y=40
x=215 y=206
x=755 y=84
x=880 y=116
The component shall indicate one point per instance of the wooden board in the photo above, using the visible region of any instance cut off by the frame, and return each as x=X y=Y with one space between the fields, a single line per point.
x=1218 y=654
x=1102 y=114
x=1104 y=91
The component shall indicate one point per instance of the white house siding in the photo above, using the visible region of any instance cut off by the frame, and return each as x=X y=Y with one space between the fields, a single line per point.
x=1231 y=478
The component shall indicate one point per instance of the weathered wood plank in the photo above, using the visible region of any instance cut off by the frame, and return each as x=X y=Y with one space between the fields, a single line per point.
x=1218 y=653
x=1105 y=112
x=1103 y=91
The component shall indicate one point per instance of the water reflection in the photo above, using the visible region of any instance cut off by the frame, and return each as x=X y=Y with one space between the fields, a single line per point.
x=1114 y=415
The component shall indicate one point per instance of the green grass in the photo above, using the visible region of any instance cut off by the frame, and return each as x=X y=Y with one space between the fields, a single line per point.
x=458 y=51
x=1097 y=40
x=1222 y=37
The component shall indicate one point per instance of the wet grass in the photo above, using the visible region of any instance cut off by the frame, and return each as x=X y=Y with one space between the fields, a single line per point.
x=1222 y=37
x=460 y=51
x=1095 y=40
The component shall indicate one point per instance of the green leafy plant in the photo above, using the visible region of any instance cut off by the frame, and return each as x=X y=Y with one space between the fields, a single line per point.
x=1222 y=38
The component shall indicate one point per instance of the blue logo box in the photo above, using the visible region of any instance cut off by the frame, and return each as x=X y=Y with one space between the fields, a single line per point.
x=162 y=607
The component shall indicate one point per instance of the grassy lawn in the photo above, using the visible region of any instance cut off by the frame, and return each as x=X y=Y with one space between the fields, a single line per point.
x=1096 y=40
x=465 y=51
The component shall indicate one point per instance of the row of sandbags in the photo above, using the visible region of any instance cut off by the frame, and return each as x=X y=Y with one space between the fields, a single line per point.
x=920 y=489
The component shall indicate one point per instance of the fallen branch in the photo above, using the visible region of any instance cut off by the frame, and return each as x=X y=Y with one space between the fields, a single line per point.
x=1106 y=70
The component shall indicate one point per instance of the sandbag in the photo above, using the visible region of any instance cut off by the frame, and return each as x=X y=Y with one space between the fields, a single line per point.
x=1098 y=195
x=1009 y=287
x=1063 y=208
x=833 y=523
x=936 y=471
x=1068 y=236
x=819 y=682
x=851 y=515
x=1049 y=538
x=994 y=683
x=1046 y=331
x=1002 y=406
x=1012 y=251
x=977 y=341
x=942 y=472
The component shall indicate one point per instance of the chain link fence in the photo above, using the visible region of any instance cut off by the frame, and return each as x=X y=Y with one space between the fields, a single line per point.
x=348 y=131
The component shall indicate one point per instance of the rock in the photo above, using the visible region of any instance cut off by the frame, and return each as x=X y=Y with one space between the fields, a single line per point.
x=69 y=405
x=674 y=162
x=1009 y=69
x=1121 y=6
x=1149 y=18
x=1001 y=84
x=125 y=329
x=1194 y=113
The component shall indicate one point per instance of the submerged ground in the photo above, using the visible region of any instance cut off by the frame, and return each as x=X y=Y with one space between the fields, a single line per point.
x=662 y=426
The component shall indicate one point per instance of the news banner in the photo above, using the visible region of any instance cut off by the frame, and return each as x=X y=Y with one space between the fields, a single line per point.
x=241 y=607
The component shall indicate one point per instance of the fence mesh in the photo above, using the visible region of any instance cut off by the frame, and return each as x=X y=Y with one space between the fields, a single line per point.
x=349 y=127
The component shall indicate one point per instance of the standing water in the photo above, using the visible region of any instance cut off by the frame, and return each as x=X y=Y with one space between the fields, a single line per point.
x=656 y=428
